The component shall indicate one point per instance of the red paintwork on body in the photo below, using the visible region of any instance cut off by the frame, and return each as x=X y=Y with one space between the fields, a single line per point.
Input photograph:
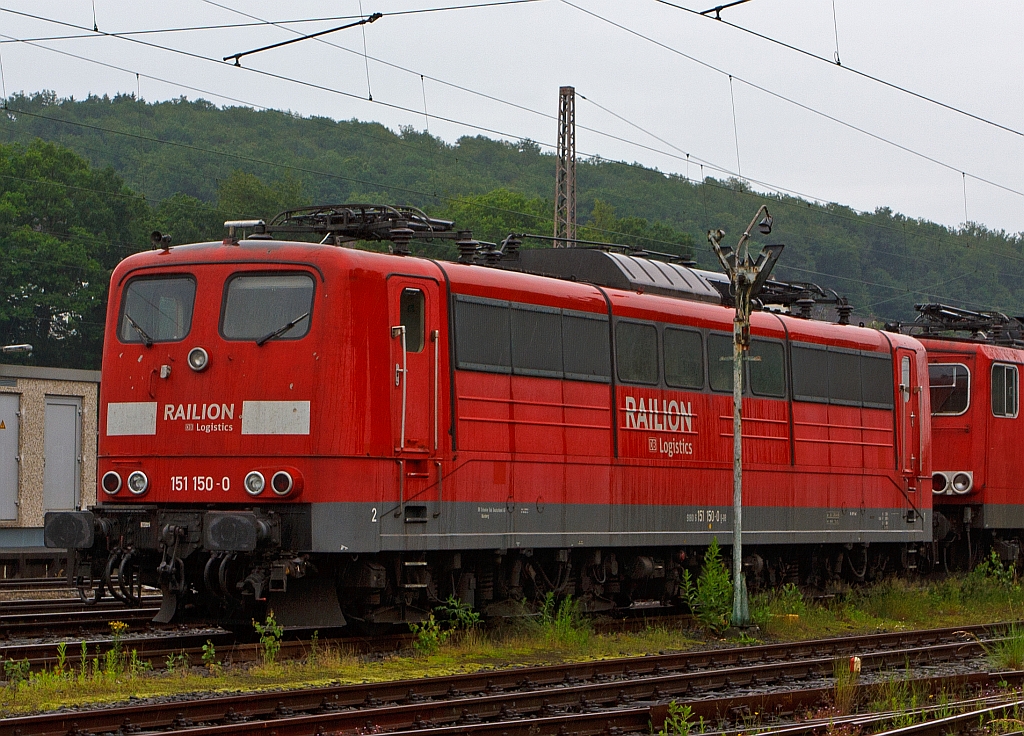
x=520 y=438
x=977 y=440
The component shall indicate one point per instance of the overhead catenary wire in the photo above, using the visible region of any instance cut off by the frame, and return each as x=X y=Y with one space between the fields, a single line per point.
x=366 y=62
x=716 y=168
x=131 y=248
x=902 y=289
x=226 y=26
x=704 y=180
x=486 y=129
x=735 y=127
x=3 y=81
x=791 y=101
x=850 y=69
x=926 y=291
x=835 y=27
x=518 y=136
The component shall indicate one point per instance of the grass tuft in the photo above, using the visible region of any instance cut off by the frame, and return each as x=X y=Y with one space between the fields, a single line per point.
x=1007 y=653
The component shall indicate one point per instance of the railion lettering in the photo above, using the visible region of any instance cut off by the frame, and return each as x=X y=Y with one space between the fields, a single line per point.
x=674 y=415
x=198 y=412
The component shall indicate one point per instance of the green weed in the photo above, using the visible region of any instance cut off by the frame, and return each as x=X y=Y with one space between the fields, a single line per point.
x=563 y=623
x=710 y=598
x=210 y=656
x=898 y=694
x=179 y=663
x=845 y=695
x=1007 y=653
x=270 y=638
x=460 y=616
x=16 y=672
x=62 y=656
x=84 y=671
x=314 y=649
x=429 y=635
x=454 y=618
x=679 y=721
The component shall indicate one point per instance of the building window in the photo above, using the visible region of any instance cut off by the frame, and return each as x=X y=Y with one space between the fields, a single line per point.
x=950 y=388
x=1004 y=390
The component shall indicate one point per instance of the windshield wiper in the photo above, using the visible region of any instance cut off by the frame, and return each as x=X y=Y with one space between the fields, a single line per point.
x=282 y=329
x=142 y=333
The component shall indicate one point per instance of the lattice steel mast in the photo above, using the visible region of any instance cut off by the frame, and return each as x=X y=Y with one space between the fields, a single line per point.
x=565 y=174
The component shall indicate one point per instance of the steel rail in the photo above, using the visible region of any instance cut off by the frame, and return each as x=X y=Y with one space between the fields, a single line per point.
x=534 y=691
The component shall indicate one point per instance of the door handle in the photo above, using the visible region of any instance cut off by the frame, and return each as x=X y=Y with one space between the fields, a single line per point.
x=399 y=331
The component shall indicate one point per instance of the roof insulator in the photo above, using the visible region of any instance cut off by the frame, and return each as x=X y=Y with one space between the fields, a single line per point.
x=467 y=247
x=845 y=310
x=510 y=247
x=401 y=236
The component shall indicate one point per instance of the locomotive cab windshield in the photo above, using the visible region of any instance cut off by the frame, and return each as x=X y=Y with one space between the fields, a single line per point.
x=262 y=307
x=157 y=309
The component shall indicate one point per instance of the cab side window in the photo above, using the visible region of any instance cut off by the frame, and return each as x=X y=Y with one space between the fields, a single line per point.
x=1004 y=390
x=950 y=388
x=410 y=307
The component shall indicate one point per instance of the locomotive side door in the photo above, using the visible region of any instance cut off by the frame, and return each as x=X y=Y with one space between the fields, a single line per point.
x=414 y=377
x=909 y=417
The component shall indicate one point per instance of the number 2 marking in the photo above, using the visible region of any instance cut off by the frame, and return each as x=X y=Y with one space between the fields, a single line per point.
x=373 y=515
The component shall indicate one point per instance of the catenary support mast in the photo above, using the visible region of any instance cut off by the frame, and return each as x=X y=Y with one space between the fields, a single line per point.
x=565 y=174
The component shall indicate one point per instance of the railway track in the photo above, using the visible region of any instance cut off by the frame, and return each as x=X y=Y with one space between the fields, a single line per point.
x=582 y=698
x=24 y=621
x=72 y=622
x=15 y=584
x=29 y=606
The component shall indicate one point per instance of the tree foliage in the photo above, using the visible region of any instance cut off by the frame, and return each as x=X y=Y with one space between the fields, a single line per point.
x=63 y=226
x=69 y=212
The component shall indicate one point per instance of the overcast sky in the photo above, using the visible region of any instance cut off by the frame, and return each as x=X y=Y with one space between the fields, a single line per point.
x=629 y=58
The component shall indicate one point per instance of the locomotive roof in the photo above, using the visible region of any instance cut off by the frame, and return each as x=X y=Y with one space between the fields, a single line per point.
x=938 y=345
x=617 y=271
x=665 y=283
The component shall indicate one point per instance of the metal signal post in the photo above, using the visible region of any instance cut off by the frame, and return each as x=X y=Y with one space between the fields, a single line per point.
x=747 y=277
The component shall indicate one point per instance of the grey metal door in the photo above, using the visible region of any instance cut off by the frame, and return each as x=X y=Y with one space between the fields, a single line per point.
x=62 y=452
x=9 y=404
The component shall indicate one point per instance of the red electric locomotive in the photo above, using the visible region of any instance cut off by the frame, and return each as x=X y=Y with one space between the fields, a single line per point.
x=346 y=435
x=974 y=363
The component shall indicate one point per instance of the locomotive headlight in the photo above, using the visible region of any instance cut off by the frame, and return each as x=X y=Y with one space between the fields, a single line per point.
x=962 y=483
x=254 y=483
x=198 y=359
x=138 y=483
x=282 y=483
x=939 y=483
x=111 y=482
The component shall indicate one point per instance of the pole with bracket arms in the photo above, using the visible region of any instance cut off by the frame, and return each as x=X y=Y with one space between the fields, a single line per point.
x=747 y=277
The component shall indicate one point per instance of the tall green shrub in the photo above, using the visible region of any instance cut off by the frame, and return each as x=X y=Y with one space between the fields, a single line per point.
x=710 y=598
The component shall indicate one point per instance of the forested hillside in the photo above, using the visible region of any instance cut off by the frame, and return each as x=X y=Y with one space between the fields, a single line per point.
x=120 y=168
